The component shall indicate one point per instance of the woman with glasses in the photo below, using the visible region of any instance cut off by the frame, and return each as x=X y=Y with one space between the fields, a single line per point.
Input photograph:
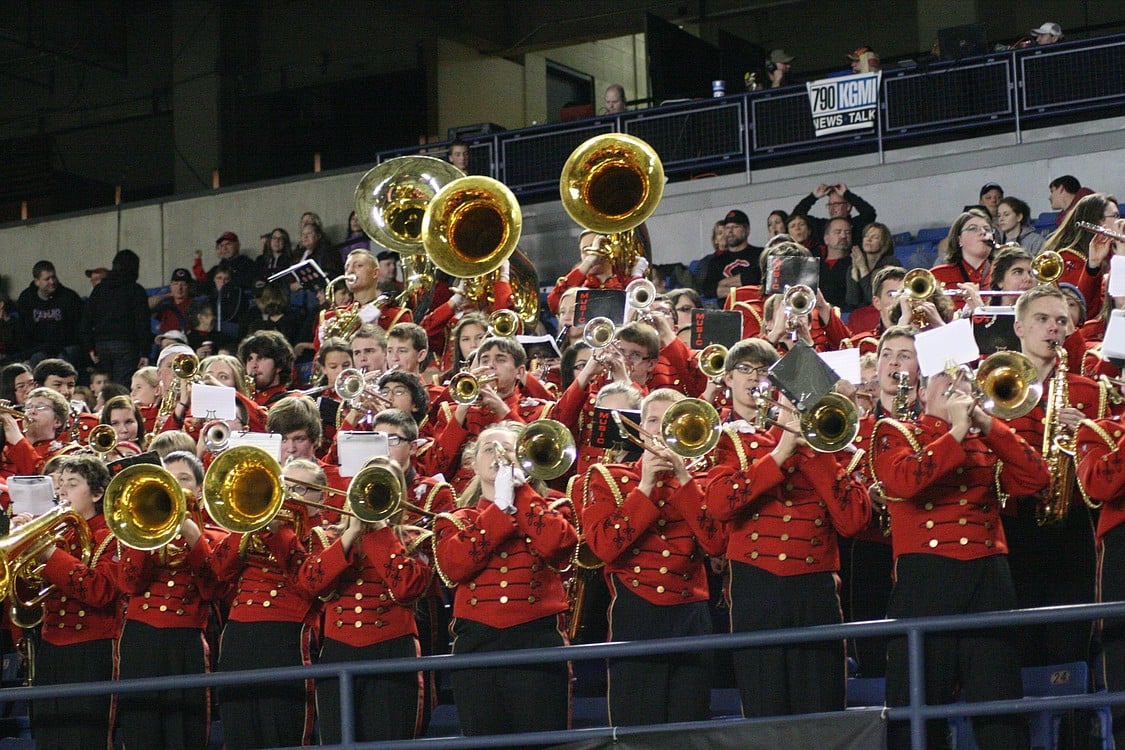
x=683 y=302
x=277 y=252
x=968 y=263
x=16 y=382
x=1084 y=252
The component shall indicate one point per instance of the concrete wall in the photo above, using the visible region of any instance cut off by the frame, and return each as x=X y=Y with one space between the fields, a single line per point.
x=911 y=189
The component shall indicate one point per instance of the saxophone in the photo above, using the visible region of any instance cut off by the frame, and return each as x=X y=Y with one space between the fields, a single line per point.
x=1058 y=449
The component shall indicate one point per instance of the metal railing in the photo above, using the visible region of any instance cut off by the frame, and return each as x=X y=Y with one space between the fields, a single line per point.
x=915 y=630
x=1002 y=91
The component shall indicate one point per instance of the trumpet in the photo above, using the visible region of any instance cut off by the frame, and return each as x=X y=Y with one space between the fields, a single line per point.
x=504 y=323
x=11 y=411
x=358 y=390
x=185 y=366
x=713 y=360
x=797 y=301
x=216 y=436
x=640 y=294
x=102 y=439
x=598 y=333
x=1047 y=267
x=464 y=387
x=1099 y=229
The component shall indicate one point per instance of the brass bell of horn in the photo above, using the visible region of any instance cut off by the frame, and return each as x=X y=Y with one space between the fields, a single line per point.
x=831 y=424
x=713 y=360
x=102 y=439
x=471 y=227
x=690 y=428
x=242 y=490
x=1009 y=385
x=1047 y=267
x=392 y=197
x=612 y=183
x=545 y=449
x=144 y=506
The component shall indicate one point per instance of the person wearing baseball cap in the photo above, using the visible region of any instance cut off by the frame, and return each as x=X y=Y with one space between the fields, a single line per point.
x=864 y=60
x=243 y=269
x=95 y=275
x=735 y=262
x=170 y=310
x=778 y=65
x=1048 y=33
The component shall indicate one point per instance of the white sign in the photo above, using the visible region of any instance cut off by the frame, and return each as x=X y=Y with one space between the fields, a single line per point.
x=357 y=447
x=844 y=103
x=845 y=363
x=947 y=346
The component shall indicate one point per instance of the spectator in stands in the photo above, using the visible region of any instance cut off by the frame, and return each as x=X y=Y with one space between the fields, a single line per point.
x=49 y=318
x=7 y=330
x=876 y=249
x=615 y=99
x=201 y=326
x=170 y=310
x=1066 y=191
x=115 y=328
x=459 y=155
x=776 y=223
x=357 y=239
x=272 y=313
x=778 y=67
x=313 y=244
x=990 y=196
x=95 y=275
x=801 y=231
x=1014 y=222
x=836 y=262
x=243 y=271
x=841 y=201
x=1048 y=33
x=737 y=264
x=277 y=253
x=386 y=275
x=865 y=60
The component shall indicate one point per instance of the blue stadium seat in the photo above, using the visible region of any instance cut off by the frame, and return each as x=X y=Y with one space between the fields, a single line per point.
x=931 y=234
x=726 y=703
x=1055 y=679
x=866 y=691
x=916 y=255
x=1046 y=220
x=902 y=237
x=17 y=743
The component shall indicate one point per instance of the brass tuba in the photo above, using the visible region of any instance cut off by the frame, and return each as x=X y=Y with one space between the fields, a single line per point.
x=611 y=184
x=545 y=449
x=471 y=227
x=242 y=490
x=144 y=506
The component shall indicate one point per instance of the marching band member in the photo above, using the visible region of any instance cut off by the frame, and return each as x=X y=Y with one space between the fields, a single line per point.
x=297 y=420
x=1084 y=253
x=1054 y=562
x=784 y=506
x=886 y=287
x=80 y=618
x=124 y=415
x=969 y=257
x=1101 y=475
x=168 y=595
x=60 y=376
x=644 y=521
x=945 y=477
x=145 y=391
x=269 y=623
x=44 y=434
x=594 y=271
x=373 y=580
x=501 y=551
x=268 y=359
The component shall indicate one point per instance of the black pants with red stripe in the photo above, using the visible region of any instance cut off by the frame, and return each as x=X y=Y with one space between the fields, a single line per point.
x=387 y=707
x=663 y=688
x=172 y=719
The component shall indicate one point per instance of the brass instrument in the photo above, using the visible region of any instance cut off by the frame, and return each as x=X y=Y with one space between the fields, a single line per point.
x=504 y=323
x=919 y=285
x=345 y=321
x=358 y=390
x=640 y=294
x=611 y=184
x=713 y=360
x=242 y=490
x=20 y=551
x=598 y=333
x=390 y=201
x=1006 y=384
x=689 y=428
x=144 y=506
x=11 y=411
x=797 y=301
x=374 y=494
x=1048 y=267
x=185 y=366
x=470 y=228
x=102 y=439
x=828 y=426
x=216 y=436
x=545 y=449
x=901 y=404
x=1059 y=447
x=464 y=387
x=1099 y=229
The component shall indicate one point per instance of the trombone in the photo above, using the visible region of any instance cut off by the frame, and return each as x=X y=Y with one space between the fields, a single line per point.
x=545 y=449
x=828 y=426
x=713 y=360
x=690 y=428
x=102 y=439
x=1006 y=384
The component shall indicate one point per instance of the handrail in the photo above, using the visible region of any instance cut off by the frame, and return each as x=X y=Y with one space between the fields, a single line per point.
x=913 y=628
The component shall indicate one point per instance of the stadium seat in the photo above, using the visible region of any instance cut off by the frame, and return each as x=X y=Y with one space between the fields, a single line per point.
x=1055 y=679
x=866 y=691
x=931 y=234
x=902 y=237
x=726 y=703
x=916 y=255
x=1046 y=220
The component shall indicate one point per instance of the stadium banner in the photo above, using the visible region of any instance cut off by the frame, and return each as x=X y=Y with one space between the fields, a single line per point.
x=844 y=103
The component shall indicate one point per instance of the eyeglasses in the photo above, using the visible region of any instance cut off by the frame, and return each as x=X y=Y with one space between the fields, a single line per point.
x=1114 y=215
x=300 y=491
x=40 y=407
x=393 y=440
x=635 y=357
x=747 y=369
x=976 y=228
x=397 y=392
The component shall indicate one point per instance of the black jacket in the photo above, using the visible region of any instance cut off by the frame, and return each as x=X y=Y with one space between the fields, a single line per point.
x=117 y=311
x=52 y=321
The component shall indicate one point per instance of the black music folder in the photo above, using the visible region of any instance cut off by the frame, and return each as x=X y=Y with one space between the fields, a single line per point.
x=715 y=327
x=803 y=376
x=994 y=329
x=605 y=432
x=789 y=270
x=599 y=303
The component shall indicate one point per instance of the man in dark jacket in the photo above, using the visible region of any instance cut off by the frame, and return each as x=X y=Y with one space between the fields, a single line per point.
x=49 y=314
x=116 y=329
x=841 y=201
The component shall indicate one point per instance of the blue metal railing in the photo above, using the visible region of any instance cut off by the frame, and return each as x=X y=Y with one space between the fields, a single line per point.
x=942 y=99
x=917 y=712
